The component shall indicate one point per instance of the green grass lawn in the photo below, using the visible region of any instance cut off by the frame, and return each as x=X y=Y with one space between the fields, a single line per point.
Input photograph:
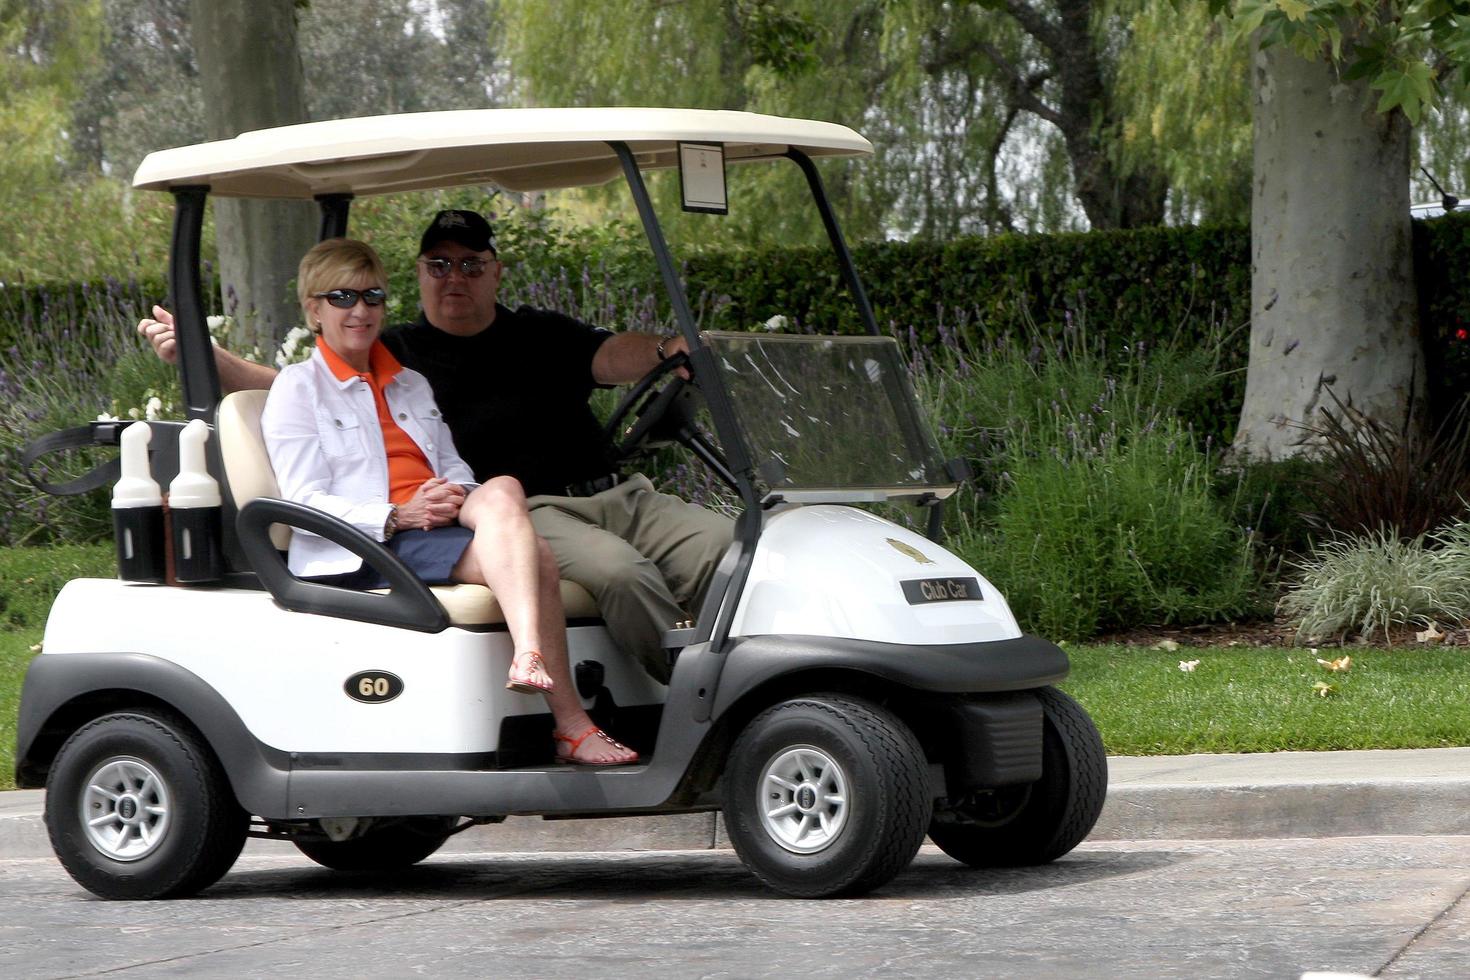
x=1265 y=699
x=29 y=580
x=1235 y=700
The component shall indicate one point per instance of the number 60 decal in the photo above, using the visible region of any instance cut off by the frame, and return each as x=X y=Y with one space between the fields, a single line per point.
x=373 y=686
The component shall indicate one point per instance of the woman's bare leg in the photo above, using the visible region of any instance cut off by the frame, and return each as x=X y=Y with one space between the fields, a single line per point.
x=572 y=722
x=502 y=555
x=519 y=568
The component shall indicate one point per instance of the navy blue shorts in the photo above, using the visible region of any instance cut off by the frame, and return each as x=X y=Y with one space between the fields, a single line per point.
x=431 y=555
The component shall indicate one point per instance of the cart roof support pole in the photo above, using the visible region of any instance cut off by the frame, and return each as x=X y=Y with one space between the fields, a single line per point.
x=334 y=215
x=934 y=529
x=747 y=529
x=197 y=373
x=839 y=244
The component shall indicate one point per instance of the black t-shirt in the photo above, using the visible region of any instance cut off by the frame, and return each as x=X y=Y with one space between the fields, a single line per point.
x=515 y=395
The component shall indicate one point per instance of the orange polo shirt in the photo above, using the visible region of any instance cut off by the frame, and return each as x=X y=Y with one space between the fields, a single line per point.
x=408 y=467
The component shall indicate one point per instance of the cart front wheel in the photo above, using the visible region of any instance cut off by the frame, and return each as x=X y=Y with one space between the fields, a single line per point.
x=826 y=795
x=390 y=848
x=1039 y=822
x=137 y=808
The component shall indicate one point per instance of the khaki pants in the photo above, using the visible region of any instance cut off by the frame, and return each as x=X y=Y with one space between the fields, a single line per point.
x=646 y=557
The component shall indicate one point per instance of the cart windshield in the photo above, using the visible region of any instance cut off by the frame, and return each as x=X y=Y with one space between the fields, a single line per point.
x=829 y=418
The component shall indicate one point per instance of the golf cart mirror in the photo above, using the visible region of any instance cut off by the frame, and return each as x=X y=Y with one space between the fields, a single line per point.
x=702 y=177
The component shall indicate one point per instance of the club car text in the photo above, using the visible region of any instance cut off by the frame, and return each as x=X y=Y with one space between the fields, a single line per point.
x=921 y=590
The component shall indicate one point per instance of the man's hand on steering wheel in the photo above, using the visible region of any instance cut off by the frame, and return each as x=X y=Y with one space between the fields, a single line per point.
x=647 y=404
x=670 y=347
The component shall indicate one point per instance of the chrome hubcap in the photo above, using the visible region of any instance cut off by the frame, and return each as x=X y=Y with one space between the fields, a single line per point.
x=803 y=799
x=125 y=809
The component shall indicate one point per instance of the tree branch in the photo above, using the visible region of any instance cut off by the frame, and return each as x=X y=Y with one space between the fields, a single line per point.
x=1034 y=22
x=1022 y=88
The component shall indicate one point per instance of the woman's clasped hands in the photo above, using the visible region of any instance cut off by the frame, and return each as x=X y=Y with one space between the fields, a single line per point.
x=435 y=503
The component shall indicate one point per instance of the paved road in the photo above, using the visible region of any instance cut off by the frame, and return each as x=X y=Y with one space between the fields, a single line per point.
x=1387 y=906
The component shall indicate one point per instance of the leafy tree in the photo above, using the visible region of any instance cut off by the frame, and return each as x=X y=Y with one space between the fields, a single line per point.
x=797 y=57
x=1055 y=61
x=44 y=46
x=359 y=57
x=988 y=115
x=1442 y=149
x=1338 y=85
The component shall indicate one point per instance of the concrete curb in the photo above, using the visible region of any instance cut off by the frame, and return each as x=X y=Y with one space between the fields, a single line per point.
x=1210 y=797
x=1212 y=811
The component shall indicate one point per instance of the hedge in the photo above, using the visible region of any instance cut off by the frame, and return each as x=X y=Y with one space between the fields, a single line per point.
x=1149 y=286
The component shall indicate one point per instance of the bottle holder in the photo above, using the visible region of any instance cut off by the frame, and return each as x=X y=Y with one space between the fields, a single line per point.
x=140 y=551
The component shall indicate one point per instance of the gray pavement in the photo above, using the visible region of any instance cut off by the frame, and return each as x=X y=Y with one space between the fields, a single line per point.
x=1351 y=863
x=1383 y=906
x=1192 y=797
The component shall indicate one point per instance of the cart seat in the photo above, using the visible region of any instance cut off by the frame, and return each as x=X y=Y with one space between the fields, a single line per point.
x=248 y=475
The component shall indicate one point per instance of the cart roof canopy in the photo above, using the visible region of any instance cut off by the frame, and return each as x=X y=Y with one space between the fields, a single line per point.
x=516 y=149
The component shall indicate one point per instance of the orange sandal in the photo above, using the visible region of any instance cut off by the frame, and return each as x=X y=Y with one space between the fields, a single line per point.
x=569 y=758
x=533 y=680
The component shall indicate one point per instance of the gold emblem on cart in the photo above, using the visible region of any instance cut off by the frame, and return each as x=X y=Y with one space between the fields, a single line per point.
x=909 y=551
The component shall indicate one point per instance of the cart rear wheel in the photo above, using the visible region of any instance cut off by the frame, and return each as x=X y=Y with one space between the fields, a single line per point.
x=1039 y=822
x=826 y=795
x=137 y=808
x=390 y=848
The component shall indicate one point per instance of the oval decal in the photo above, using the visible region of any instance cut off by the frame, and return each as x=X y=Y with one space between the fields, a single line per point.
x=373 y=686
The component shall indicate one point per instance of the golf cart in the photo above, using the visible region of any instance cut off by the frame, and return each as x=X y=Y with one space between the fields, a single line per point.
x=847 y=686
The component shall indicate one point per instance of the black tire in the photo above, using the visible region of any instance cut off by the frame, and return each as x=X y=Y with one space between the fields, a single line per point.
x=161 y=820
x=1037 y=823
x=390 y=848
x=846 y=749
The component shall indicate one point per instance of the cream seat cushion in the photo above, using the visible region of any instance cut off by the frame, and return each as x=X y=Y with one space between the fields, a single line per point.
x=475 y=605
x=248 y=475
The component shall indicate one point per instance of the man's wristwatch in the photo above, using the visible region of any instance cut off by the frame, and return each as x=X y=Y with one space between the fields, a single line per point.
x=390 y=526
x=659 y=350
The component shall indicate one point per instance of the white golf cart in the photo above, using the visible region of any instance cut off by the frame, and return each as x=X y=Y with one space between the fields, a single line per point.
x=847 y=686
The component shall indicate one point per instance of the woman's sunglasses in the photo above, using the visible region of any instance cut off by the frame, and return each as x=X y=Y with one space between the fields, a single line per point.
x=346 y=299
x=470 y=268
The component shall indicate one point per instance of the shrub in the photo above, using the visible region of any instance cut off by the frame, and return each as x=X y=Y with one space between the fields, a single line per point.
x=1374 y=582
x=60 y=372
x=1093 y=507
x=1406 y=481
x=1272 y=500
x=1124 y=531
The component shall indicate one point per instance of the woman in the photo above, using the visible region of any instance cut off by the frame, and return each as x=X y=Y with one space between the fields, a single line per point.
x=353 y=433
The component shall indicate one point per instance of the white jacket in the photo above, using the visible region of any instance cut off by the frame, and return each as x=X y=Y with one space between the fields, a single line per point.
x=327 y=449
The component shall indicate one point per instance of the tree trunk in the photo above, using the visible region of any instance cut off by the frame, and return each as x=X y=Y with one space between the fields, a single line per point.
x=1109 y=197
x=251 y=78
x=1332 y=283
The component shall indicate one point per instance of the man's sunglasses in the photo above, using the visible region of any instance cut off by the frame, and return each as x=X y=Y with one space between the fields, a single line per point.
x=439 y=268
x=346 y=299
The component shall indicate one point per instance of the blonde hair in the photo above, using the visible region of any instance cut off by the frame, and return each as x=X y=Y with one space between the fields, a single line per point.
x=333 y=263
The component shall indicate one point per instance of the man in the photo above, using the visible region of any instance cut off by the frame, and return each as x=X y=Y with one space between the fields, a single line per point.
x=514 y=388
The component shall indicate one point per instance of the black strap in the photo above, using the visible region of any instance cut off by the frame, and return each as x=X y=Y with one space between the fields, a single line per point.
x=91 y=434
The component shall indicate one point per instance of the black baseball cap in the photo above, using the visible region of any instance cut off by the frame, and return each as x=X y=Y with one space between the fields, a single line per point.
x=467 y=228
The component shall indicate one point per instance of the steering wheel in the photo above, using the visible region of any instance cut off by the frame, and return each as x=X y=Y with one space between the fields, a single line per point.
x=649 y=406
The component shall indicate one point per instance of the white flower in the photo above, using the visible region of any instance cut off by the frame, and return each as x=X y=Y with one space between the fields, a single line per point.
x=153 y=409
x=218 y=323
x=294 y=347
x=1188 y=665
x=133 y=413
x=104 y=417
x=775 y=323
